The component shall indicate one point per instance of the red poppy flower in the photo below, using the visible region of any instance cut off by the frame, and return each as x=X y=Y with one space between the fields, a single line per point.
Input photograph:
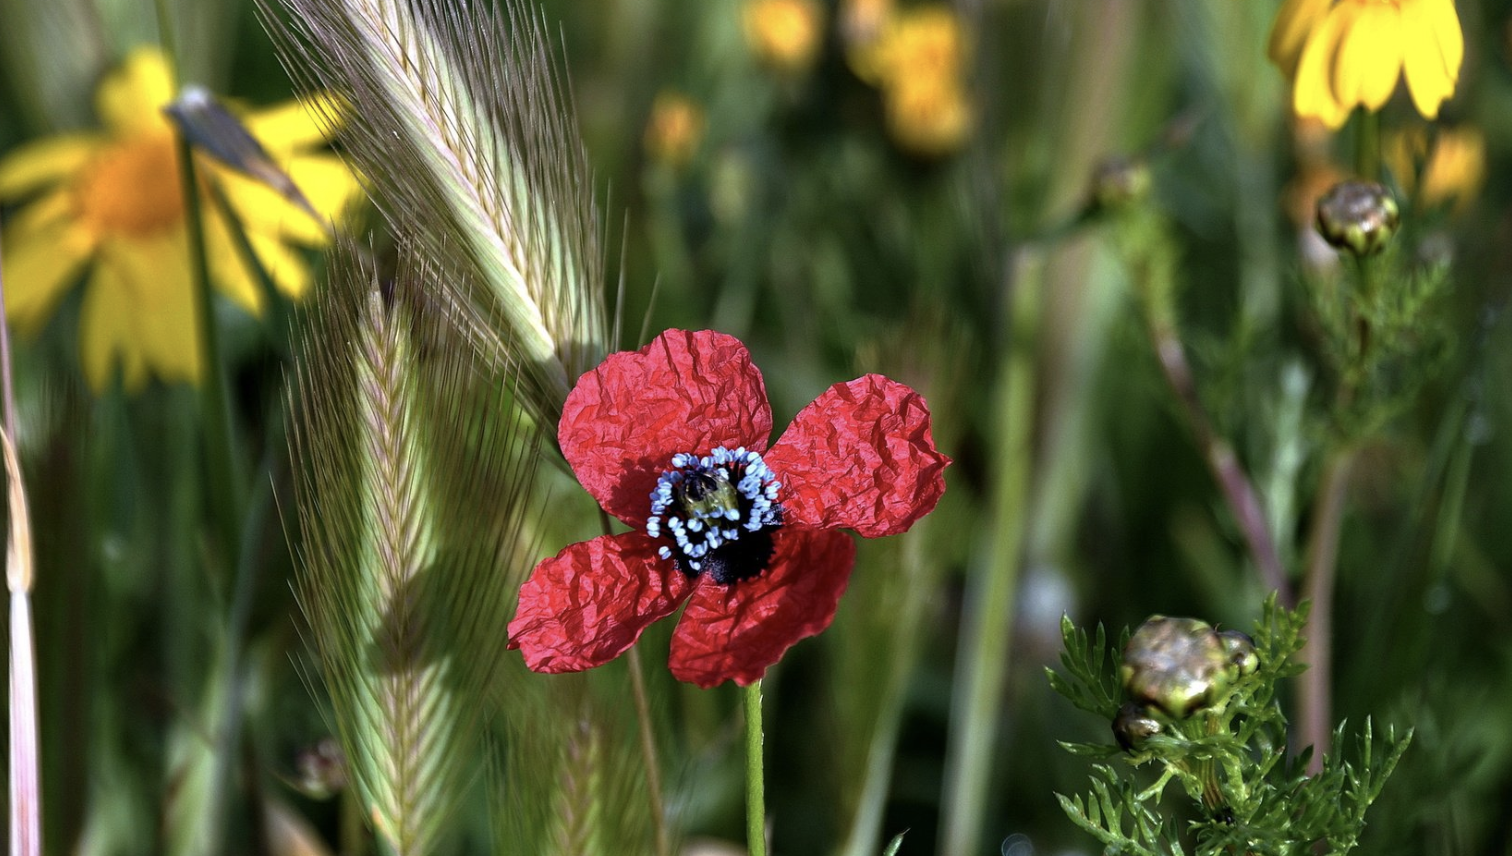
x=672 y=439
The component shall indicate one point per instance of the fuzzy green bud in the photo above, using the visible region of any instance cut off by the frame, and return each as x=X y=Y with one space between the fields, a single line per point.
x=1176 y=665
x=321 y=769
x=1241 y=648
x=1119 y=181
x=1358 y=216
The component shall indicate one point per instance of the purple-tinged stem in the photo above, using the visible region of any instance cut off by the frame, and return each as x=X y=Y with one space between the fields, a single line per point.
x=1238 y=491
x=1314 y=697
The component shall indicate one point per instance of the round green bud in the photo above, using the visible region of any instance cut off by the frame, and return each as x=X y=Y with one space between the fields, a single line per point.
x=1176 y=665
x=1121 y=181
x=320 y=769
x=1358 y=216
x=1242 y=656
x=1133 y=726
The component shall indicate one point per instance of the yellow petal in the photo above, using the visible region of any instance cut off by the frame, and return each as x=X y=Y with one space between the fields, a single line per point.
x=131 y=98
x=290 y=272
x=1432 y=54
x=162 y=328
x=323 y=179
x=45 y=214
x=1313 y=92
x=294 y=125
x=106 y=334
x=44 y=162
x=40 y=264
x=1444 y=23
x=331 y=187
x=229 y=269
x=1370 y=57
x=1294 y=22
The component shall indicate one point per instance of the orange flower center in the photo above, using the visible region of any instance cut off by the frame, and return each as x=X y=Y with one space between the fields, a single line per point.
x=132 y=187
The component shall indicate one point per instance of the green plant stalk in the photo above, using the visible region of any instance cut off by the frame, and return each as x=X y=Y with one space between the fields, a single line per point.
x=645 y=726
x=1368 y=145
x=755 y=776
x=222 y=481
x=649 y=753
x=992 y=589
x=865 y=833
x=354 y=835
x=165 y=30
x=1314 y=696
x=248 y=566
x=1238 y=490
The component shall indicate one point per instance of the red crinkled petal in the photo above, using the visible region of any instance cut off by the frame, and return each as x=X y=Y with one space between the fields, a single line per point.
x=590 y=602
x=684 y=392
x=736 y=632
x=860 y=457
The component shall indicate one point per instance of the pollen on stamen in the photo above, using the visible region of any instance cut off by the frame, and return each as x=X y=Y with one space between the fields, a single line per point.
x=706 y=505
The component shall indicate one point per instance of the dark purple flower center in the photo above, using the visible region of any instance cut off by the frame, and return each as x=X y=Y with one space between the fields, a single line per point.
x=718 y=512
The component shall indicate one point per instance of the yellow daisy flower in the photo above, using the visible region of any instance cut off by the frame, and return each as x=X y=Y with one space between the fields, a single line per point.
x=784 y=33
x=111 y=203
x=918 y=62
x=1346 y=53
x=925 y=42
x=930 y=116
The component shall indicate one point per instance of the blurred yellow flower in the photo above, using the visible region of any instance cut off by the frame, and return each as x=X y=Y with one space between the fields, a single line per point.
x=674 y=130
x=784 y=33
x=1453 y=167
x=1346 y=53
x=930 y=116
x=111 y=202
x=922 y=42
x=919 y=62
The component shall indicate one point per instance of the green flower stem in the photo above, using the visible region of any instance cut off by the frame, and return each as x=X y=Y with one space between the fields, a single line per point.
x=225 y=494
x=1314 y=696
x=354 y=831
x=1368 y=145
x=1153 y=276
x=222 y=480
x=992 y=587
x=1238 y=491
x=649 y=756
x=755 y=777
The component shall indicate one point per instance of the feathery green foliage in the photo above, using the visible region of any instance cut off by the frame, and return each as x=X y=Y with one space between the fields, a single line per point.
x=414 y=465
x=465 y=133
x=1230 y=758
